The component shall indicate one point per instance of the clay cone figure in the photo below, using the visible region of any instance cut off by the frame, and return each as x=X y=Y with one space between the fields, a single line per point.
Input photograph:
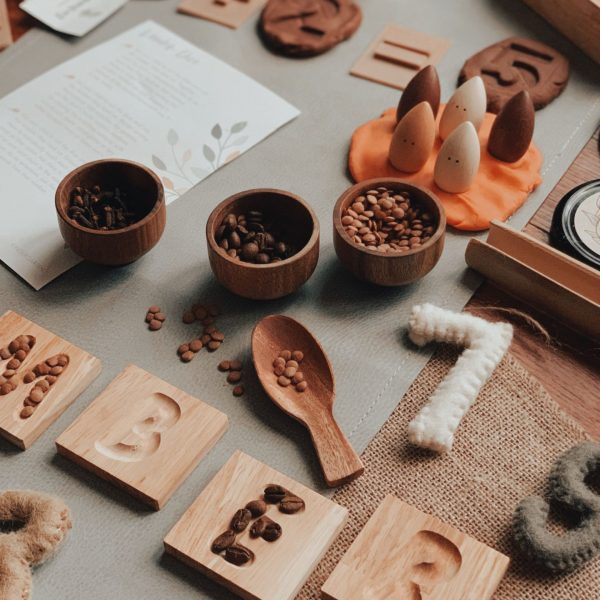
x=512 y=130
x=458 y=160
x=413 y=139
x=424 y=86
x=468 y=103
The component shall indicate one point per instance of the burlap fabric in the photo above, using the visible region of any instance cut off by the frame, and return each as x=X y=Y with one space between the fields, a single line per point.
x=503 y=451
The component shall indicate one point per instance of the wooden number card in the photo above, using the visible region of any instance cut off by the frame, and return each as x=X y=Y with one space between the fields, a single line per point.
x=231 y=13
x=397 y=54
x=407 y=554
x=40 y=376
x=143 y=435
x=265 y=553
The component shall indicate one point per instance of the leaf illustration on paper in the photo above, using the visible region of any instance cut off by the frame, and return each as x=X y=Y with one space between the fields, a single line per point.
x=208 y=153
x=240 y=141
x=172 y=137
x=199 y=173
x=168 y=183
x=237 y=127
x=233 y=155
x=159 y=164
x=186 y=156
x=216 y=132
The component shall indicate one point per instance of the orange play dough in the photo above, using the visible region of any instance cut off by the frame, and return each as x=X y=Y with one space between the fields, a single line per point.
x=498 y=190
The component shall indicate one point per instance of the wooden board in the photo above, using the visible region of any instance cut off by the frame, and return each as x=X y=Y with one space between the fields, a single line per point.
x=6 y=38
x=143 y=434
x=397 y=54
x=81 y=370
x=540 y=275
x=405 y=554
x=231 y=13
x=279 y=568
x=579 y=20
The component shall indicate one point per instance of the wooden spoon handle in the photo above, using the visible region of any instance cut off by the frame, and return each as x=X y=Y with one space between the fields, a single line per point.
x=339 y=461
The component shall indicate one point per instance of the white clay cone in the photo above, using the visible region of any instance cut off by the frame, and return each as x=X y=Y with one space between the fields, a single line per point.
x=413 y=139
x=468 y=103
x=458 y=160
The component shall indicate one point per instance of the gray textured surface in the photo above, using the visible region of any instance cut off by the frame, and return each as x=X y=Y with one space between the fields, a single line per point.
x=115 y=550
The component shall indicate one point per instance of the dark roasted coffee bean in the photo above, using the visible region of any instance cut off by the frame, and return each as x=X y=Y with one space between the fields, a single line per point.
x=249 y=251
x=262 y=258
x=272 y=530
x=238 y=555
x=257 y=507
x=275 y=493
x=258 y=527
x=234 y=240
x=240 y=520
x=223 y=541
x=291 y=504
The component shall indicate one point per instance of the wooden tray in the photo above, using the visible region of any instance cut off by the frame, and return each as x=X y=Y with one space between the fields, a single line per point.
x=405 y=554
x=144 y=435
x=81 y=370
x=539 y=275
x=279 y=568
x=6 y=38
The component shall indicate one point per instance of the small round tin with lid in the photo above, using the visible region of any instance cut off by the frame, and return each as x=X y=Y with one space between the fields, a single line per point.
x=576 y=223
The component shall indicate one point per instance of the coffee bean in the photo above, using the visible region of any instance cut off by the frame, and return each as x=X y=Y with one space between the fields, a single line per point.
x=258 y=527
x=236 y=365
x=298 y=356
x=272 y=531
x=196 y=345
x=274 y=493
x=257 y=508
x=238 y=390
x=5 y=353
x=155 y=325
x=238 y=555
x=224 y=365
x=188 y=317
x=52 y=362
x=224 y=541
x=279 y=362
x=301 y=387
x=183 y=349
x=298 y=377
x=51 y=379
x=240 y=520
x=218 y=336
x=283 y=381
x=286 y=355
x=29 y=377
x=234 y=377
x=213 y=345
x=63 y=360
x=289 y=372
x=36 y=395
x=291 y=505
x=26 y=412
x=187 y=356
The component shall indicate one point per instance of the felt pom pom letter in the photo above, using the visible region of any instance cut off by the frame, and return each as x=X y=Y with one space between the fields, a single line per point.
x=42 y=523
x=486 y=343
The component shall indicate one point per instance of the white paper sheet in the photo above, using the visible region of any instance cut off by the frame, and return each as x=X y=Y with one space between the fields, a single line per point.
x=146 y=95
x=73 y=17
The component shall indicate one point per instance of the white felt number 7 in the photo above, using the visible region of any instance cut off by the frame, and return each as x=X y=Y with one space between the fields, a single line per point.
x=485 y=345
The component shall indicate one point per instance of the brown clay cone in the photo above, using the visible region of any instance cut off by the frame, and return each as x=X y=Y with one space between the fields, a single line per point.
x=512 y=130
x=424 y=86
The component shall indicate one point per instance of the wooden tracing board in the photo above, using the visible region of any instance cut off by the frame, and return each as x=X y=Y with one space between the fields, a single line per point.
x=280 y=567
x=144 y=435
x=76 y=375
x=403 y=553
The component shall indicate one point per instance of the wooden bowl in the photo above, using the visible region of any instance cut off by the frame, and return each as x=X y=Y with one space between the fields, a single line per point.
x=145 y=196
x=274 y=280
x=390 y=268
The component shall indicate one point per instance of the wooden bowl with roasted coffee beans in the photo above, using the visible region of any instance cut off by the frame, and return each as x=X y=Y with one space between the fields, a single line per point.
x=388 y=231
x=263 y=243
x=112 y=211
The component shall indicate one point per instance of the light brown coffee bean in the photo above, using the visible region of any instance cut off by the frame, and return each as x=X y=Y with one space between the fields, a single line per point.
x=183 y=349
x=159 y=316
x=155 y=325
x=26 y=412
x=51 y=379
x=223 y=541
x=289 y=372
x=224 y=366
x=298 y=356
x=292 y=363
x=234 y=377
x=298 y=377
x=196 y=345
x=285 y=354
x=213 y=345
x=236 y=365
x=187 y=356
x=36 y=395
x=283 y=381
x=21 y=354
x=56 y=370
x=9 y=373
x=279 y=362
x=301 y=387
x=6 y=388
x=278 y=370
x=218 y=336
x=43 y=385
x=63 y=360
x=29 y=377
x=154 y=309
x=52 y=362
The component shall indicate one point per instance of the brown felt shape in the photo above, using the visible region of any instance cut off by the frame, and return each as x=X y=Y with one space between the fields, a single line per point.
x=499 y=188
x=39 y=525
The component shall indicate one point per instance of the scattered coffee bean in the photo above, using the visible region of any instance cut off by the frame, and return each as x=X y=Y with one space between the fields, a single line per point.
x=252 y=238
x=238 y=555
x=101 y=209
x=240 y=520
x=26 y=412
x=274 y=493
x=223 y=542
x=272 y=531
x=155 y=318
x=291 y=505
x=387 y=221
x=257 y=508
x=234 y=377
x=210 y=338
x=285 y=368
x=235 y=374
x=224 y=366
x=187 y=356
x=196 y=345
x=258 y=527
x=236 y=365
x=238 y=391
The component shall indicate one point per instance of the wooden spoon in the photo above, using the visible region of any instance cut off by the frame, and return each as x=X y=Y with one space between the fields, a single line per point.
x=313 y=407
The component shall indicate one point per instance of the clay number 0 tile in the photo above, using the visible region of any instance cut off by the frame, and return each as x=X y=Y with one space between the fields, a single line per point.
x=405 y=553
x=5 y=31
x=231 y=13
x=278 y=568
x=397 y=54
x=40 y=376
x=144 y=435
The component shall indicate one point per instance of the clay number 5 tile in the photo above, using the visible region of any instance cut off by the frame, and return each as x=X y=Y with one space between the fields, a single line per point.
x=133 y=435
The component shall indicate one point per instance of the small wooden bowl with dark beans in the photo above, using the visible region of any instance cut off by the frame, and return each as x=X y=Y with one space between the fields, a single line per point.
x=145 y=202
x=297 y=225
x=391 y=268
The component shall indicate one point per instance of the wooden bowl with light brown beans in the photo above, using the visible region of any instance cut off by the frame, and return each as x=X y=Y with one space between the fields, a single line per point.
x=274 y=280
x=389 y=268
x=145 y=197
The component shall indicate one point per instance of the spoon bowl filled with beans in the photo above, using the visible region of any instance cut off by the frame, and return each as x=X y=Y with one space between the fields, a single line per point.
x=388 y=231
x=263 y=243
